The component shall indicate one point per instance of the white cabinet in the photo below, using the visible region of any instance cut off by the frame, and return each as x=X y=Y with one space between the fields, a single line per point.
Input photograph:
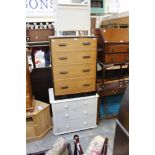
x=74 y=114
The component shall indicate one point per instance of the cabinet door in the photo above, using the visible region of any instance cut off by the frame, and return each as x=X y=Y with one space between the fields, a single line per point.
x=30 y=130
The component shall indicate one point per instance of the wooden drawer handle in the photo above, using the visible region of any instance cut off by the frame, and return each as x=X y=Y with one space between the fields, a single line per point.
x=86 y=70
x=63 y=72
x=63 y=58
x=64 y=87
x=86 y=56
x=62 y=44
x=86 y=43
x=86 y=85
x=115 y=91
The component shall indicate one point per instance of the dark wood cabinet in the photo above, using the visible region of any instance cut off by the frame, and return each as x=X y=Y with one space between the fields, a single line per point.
x=121 y=141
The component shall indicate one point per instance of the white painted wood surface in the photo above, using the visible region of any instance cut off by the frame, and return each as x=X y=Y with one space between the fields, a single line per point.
x=70 y=115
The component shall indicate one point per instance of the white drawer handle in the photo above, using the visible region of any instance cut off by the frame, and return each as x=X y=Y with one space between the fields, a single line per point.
x=66 y=115
x=85 y=122
x=67 y=126
x=66 y=106
x=85 y=103
x=85 y=112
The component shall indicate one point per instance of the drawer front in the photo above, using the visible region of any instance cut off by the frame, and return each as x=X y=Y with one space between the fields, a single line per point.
x=73 y=43
x=63 y=107
x=117 y=58
x=118 y=48
x=30 y=130
x=82 y=112
x=74 y=125
x=71 y=71
x=73 y=57
x=113 y=91
x=71 y=86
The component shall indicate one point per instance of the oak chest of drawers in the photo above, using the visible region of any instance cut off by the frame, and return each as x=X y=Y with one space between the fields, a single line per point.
x=113 y=45
x=73 y=65
x=70 y=115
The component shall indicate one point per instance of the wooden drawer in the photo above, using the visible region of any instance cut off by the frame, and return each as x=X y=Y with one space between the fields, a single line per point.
x=118 y=48
x=113 y=88
x=117 y=58
x=71 y=71
x=77 y=85
x=73 y=43
x=73 y=57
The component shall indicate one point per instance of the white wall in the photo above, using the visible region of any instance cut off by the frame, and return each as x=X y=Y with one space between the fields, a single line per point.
x=116 y=6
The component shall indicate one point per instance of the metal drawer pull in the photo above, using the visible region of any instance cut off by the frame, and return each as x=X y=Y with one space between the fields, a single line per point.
x=86 y=43
x=86 y=70
x=115 y=91
x=62 y=44
x=64 y=72
x=86 y=85
x=62 y=58
x=86 y=56
x=64 y=87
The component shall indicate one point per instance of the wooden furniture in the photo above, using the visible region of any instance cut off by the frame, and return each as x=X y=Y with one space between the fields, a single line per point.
x=70 y=115
x=121 y=141
x=38 y=122
x=73 y=65
x=121 y=22
x=38 y=35
x=29 y=97
x=113 y=45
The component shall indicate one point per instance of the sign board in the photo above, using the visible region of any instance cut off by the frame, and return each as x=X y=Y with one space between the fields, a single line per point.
x=39 y=8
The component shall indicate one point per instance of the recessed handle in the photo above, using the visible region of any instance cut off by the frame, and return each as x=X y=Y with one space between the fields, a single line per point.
x=62 y=58
x=86 y=70
x=64 y=87
x=86 y=56
x=86 y=85
x=63 y=72
x=62 y=44
x=86 y=43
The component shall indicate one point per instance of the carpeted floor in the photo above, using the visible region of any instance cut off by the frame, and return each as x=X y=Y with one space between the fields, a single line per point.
x=106 y=128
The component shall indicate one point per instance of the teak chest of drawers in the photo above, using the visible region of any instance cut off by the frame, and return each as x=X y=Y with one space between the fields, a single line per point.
x=73 y=65
x=70 y=115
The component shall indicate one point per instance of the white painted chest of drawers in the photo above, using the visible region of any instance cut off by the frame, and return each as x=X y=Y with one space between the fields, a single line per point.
x=74 y=114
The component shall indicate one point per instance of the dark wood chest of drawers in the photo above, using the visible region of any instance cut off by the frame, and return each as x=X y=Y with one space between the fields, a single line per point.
x=73 y=65
x=113 y=45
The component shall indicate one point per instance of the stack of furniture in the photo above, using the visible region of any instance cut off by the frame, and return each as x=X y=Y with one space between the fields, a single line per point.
x=38 y=121
x=113 y=52
x=73 y=97
x=121 y=142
